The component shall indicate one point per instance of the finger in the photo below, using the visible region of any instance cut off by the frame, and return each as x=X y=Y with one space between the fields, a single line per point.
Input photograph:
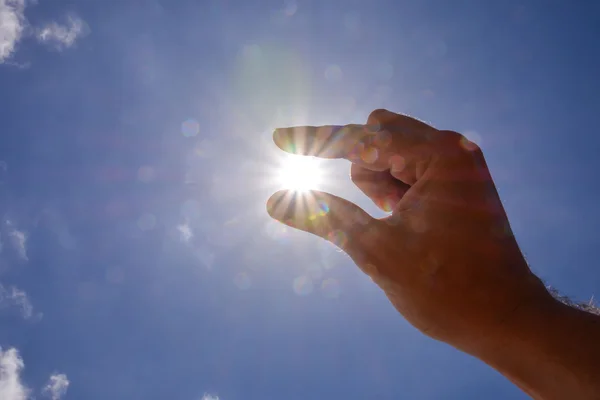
x=334 y=219
x=329 y=141
x=380 y=186
x=388 y=141
x=385 y=119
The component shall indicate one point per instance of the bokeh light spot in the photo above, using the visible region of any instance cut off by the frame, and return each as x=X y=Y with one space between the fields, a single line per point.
x=252 y=51
x=331 y=288
x=397 y=164
x=369 y=155
x=467 y=144
x=387 y=204
x=323 y=208
x=205 y=256
x=146 y=222
x=242 y=280
x=338 y=237
x=290 y=7
x=190 y=127
x=190 y=209
x=303 y=285
x=352 y=21
x=333 y=73
x=383 y=139
x=276 y=230
x=471 y=140
x=145 y=174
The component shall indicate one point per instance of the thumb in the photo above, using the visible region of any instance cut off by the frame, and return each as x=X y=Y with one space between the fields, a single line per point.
x=339 y=221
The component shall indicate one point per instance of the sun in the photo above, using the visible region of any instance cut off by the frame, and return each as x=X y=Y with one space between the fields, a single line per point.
x=300 y=173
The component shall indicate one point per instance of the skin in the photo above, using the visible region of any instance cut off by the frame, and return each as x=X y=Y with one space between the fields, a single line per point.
x=445 y=256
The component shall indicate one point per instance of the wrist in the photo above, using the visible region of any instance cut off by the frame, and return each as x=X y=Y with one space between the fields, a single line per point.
x=548 y=349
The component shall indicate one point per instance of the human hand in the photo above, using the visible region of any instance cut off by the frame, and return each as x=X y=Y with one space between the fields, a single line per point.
x=445 y=256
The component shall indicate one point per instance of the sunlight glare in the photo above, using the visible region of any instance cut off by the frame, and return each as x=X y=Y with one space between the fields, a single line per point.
x=300 y=173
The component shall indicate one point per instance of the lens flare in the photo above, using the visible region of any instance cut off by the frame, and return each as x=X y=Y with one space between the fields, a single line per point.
x=338 y=237
x=299 y=173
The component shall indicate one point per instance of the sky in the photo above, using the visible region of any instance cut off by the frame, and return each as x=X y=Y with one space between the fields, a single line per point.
x=137 y=258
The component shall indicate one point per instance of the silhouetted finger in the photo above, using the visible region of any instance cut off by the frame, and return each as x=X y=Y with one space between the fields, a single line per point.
x=391 y=141
x=334 y=219
x=380 y=186
x=329 y=141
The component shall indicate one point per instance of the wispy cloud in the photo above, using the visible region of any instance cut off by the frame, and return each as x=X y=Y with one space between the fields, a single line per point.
x=185 y=232
x=56 y=387
x=12 y=25
x=13 y=297
x=209 y=397
x=19 y=242
x=11 y=365
x=61 y=36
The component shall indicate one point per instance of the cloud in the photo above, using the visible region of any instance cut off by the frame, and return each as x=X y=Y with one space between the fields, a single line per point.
x=19 y=241
x=12 y=25
x=11 y=387
x=185 y=232
x=62 y=36
x=209 y=397
x=11 y=365
x=14 y=297
x=56 y=387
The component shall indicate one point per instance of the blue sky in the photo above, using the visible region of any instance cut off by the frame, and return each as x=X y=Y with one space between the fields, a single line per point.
x=137 y=258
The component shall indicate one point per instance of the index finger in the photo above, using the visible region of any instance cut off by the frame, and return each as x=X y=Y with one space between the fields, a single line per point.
x=329 y=141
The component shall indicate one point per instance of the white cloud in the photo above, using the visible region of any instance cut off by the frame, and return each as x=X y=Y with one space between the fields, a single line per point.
x=11 y=365
x=14 y=297
x=56 y=387
x=209 y=397
x=12 y=25
x=185 y=232
x=19 y=241
x=62 y=35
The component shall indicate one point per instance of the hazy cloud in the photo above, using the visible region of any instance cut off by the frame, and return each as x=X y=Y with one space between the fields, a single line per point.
x=11 y=365
x=14 y=25
x=185 y=232
x=19 y=241
x=13 y=297
x=62 y=36
x=56 y=387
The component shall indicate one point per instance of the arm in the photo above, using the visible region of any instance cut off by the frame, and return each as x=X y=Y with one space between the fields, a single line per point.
x=550 y=350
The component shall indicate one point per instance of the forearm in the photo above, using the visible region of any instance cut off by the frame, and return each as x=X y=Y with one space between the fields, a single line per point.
x=549 y=350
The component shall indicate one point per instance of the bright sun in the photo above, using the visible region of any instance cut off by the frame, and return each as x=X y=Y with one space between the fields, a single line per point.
x=299 y=173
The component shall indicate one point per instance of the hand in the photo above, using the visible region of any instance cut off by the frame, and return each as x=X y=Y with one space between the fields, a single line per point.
x=445 y=256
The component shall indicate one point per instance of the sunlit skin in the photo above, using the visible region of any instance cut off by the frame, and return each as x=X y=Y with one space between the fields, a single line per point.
x=445 y=256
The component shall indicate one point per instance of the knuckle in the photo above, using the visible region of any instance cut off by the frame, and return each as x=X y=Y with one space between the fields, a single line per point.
x=458 y=144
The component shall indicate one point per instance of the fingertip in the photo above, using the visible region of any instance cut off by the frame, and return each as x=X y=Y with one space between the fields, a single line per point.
x=279 y=137
x=275 y=204
x=380 y=116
